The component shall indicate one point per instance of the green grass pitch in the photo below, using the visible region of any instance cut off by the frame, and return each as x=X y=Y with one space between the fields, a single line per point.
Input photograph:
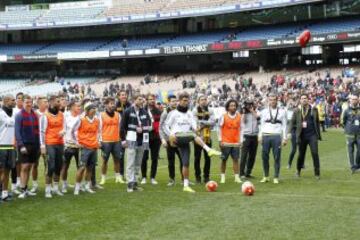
x=295 y=209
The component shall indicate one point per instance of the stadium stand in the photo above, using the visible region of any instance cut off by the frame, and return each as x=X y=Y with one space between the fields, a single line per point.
x=263 y=32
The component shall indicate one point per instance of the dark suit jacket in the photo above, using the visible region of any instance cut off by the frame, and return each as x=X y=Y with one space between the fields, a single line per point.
x=296 y=122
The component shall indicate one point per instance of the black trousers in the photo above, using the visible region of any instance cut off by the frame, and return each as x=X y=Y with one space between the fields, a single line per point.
x=313 y=144
x=248 y=155
x=293 y=146
x=122 y=161
x=171 y=151
x=154 y=145
x=198 y=150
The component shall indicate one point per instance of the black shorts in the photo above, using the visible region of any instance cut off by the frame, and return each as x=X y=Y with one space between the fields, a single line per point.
x=7 y=158
x=70 y=153
x=113 y=148
x=32 y=155
x=54 y=154
x=88 y=157
x=182 y=139
x=184 y=151
x=226 y=151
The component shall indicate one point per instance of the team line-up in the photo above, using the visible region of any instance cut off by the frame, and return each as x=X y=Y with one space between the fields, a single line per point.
x=138 y=130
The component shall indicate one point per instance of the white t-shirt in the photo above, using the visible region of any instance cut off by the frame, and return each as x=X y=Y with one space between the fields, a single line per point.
x=70 y=123
x=7 y=128
x=178 y=122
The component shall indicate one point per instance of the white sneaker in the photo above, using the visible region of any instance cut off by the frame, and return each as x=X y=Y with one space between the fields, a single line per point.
x=97 y=186
x=154 y=182
x=143 y=181
x=34 y=189
x=222 y=180
x=48 y=195
x=237 y=179
x=31 y=194
x=171 y=183
x=89 y=190
x=82 y=188
x=16 y=191
x=22 y=195
x=64 y=189
x=57 y=192
x=76 y=192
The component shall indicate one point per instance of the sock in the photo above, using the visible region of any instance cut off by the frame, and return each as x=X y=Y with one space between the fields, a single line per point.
x=117 y=175
x=18 y=181
x=77 y=186
x=56 y=186
x=237 y=176
x=65 y=183
x=206 y=147
x=4 y=194
x=88 y=185
x=13 y=187
x=103 y=176
x=223 y=175
x=35 y=183
x=186 y=182
x=48 y=188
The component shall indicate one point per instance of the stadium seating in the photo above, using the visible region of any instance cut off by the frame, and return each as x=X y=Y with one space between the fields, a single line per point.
x=71 y=14
x=256 y=33
x=13 y=49
x=19 y=17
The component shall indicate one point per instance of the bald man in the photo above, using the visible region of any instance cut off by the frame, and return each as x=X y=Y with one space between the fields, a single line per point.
x=7 y=140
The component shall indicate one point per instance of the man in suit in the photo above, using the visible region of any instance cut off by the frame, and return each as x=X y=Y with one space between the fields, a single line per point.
x=306 y=122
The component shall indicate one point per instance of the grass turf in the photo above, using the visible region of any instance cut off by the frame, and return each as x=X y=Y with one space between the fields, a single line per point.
x=295 y=209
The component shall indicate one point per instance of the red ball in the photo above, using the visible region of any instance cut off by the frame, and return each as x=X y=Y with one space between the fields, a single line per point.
x=249 y=191
x=247 y=188
x=304 y=38
x=211 y=186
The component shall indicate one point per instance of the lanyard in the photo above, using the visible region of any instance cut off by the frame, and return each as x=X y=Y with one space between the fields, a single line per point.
x=271 y=116
x=304 y=114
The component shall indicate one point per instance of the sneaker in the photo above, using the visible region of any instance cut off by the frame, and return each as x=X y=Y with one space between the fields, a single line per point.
x=48 y=195
x=213 y=152
x=70 y=186
x=139 y=189
x=64 y=189
x=82 y=188
x=121 y=179
x=188 y=189
x=117 y=179
x=265 y=180
x=237 y=179
x=34 y=189
x=154 y=182
x=89 y=190
x=6 y=199
x=297 y=174
x=171 y=183
x=222 y=180
x=22 y=195
x=97 y=186
x=129 y=190
x=276 y=181
x=31 y=194
x=103 y=181
x=243 y=178
x=57 y=192
x=143 y=181
x=317 y=177
x=76 y=192
x=16 y=191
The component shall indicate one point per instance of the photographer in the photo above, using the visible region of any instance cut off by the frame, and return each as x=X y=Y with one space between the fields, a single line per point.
x=249 y=133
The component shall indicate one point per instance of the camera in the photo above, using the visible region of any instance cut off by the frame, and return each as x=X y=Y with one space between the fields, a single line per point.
x=247 y=106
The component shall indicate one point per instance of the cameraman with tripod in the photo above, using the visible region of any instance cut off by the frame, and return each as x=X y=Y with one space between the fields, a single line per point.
x=249 y=138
